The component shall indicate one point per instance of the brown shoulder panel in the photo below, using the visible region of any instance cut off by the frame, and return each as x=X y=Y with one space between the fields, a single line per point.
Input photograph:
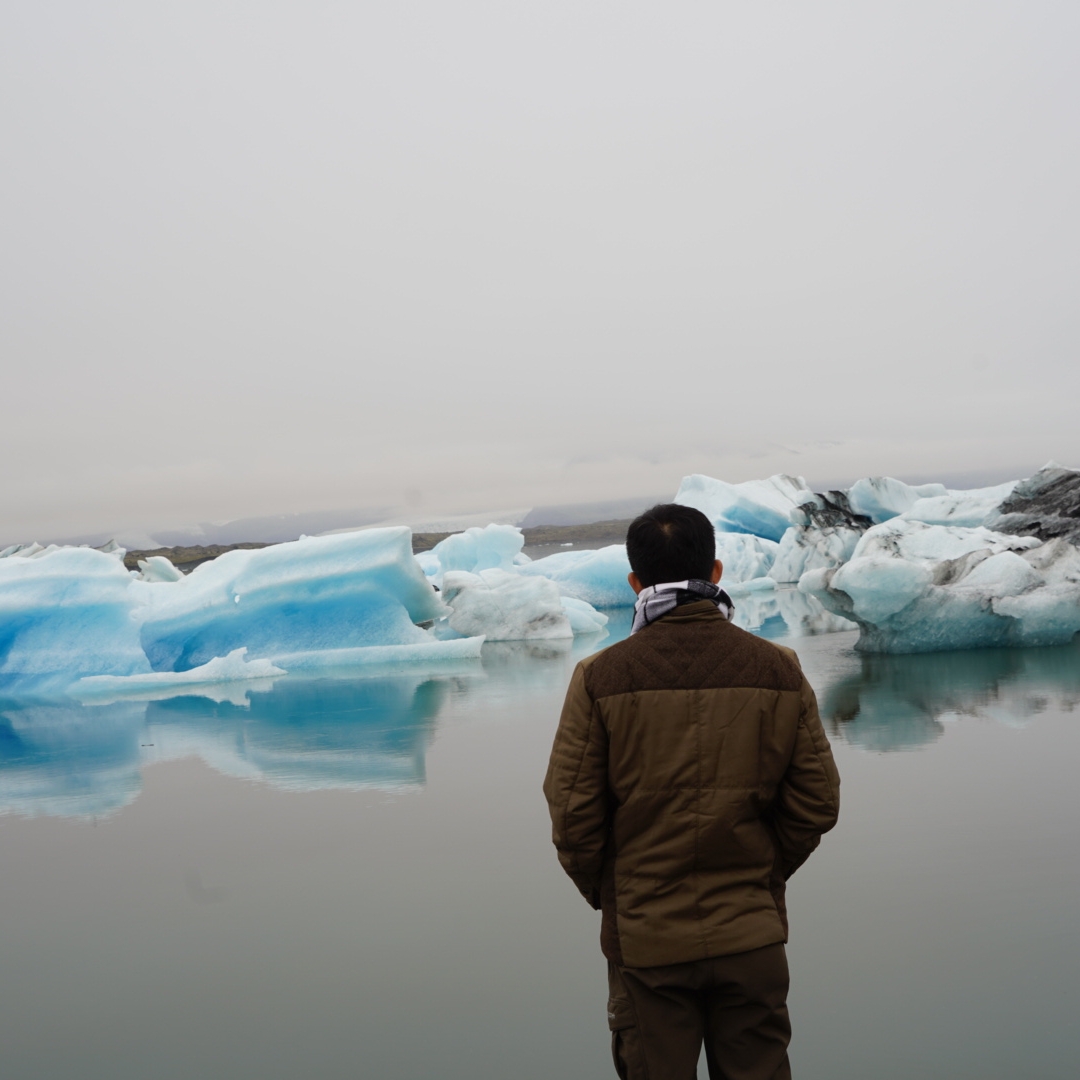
x=690 y=654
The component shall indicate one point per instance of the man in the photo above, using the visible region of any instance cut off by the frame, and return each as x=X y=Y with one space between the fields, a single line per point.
x=690 y=777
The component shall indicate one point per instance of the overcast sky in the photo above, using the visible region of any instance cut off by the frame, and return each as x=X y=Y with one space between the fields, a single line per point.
x=273 y=257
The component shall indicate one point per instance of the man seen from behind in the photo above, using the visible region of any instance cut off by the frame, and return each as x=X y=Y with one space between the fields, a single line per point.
x=689 y=779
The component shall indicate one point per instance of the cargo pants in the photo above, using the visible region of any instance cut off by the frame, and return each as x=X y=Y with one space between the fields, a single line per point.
x=736 y=1005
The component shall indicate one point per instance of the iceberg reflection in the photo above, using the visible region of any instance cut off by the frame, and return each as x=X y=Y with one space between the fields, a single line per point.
x=899 y=702
x=74 y=760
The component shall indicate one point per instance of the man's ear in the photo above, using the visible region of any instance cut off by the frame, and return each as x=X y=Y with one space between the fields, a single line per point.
x=717 y=572
x=635 y=582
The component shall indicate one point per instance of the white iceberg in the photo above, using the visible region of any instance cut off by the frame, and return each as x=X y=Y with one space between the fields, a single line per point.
x=965 y=508
x=760 y=507
x=881 y=498
x=505 y=606
x=745 y=557
x=913 y=587
x=599 y=577
x=493 y=547
x=823 y=535
x=222 y=669
x=158 y=568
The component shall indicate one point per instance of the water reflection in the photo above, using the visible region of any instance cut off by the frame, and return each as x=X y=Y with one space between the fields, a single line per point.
x=785 y=612
x=902 y=702
x=353 y=732
x=73 y=760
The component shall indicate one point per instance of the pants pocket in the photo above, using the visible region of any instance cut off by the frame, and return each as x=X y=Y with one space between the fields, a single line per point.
x=625 y=1043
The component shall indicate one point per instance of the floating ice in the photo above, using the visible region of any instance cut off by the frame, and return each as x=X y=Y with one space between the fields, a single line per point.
x=313 y=596
x=597 y=577
x=745 y=557
x=222 y=669
x=158 y=568
x=1045 y=505
x=760 y=507
x=494 y=547
x=913 y=587
x=881 y=497
x=504 y=606
x=71 y=613
x=65 y=613
x=584 y=618
x=969 y=508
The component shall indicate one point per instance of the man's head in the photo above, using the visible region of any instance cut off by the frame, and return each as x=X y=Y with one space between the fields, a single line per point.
x=671 y=543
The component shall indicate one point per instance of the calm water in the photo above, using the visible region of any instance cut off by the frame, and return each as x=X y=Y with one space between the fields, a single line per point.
x=353 y=877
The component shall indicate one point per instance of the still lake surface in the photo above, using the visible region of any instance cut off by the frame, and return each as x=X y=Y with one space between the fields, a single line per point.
x=353 y=877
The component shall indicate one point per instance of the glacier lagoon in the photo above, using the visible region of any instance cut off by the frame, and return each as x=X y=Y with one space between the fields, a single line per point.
x=351 y=874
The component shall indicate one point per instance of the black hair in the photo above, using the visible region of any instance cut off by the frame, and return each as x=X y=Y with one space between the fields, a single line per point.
x=671 y=543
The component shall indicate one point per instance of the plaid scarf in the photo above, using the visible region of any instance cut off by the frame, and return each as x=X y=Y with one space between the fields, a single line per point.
x=655 y=601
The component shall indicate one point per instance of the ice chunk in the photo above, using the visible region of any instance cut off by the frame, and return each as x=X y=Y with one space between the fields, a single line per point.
x=744 y=556
x=881 y=497
x=913 y=587
x=1045 y=505
x=494 y=547
x=65 y=613
x=505 y=606
x=823 y=535
x=968 y=508
x=158 y=568
x=760 y=507
x=221 y=669
x=584 y=618
x=429 y=563
x=322 y=593
x=804 y=548
x=598 y=577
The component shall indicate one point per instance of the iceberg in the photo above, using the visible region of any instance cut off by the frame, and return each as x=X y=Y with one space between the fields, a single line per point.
x=823 y=535
x=760 y=507
x=158 y=568
x=69 y=614
x=881 y=498
x=1045 y=505
x=913 y=587
x=65 y=613
x=596 y=576
x=504 y=606
x=222 y=669
x=968 y=508
x=745 y=556
x=493 y=547
x=309 y=598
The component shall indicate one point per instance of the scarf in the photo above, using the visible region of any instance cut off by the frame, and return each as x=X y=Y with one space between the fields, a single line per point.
x=655 y=601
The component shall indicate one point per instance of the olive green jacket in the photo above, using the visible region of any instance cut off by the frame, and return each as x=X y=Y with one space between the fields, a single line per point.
x=689 y=778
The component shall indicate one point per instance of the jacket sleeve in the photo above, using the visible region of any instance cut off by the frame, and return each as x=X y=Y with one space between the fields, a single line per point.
x=808 y=799
x=576 y=789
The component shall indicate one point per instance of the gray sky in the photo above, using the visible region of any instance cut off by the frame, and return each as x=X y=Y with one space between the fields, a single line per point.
x=275 y=257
